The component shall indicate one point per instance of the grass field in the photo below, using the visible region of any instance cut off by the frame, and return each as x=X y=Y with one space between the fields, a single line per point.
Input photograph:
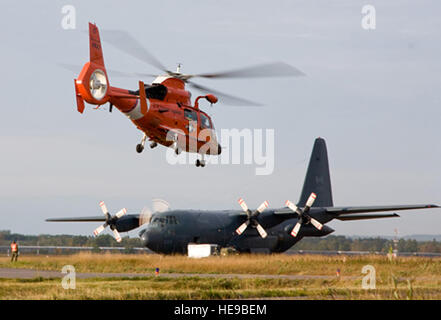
x=403 y=278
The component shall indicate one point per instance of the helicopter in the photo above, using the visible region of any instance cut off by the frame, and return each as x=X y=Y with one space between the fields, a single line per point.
x=162 y=110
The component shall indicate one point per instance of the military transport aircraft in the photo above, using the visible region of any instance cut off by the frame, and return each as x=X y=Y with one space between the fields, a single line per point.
x=273 y=230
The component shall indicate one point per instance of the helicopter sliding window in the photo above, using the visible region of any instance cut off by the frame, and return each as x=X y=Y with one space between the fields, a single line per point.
x=190 y=115
x=205 y=122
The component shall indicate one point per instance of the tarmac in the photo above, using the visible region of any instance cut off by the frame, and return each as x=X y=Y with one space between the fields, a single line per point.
x=20 y=273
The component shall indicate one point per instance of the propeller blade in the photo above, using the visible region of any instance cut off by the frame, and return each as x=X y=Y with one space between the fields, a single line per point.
x=292 y=206
x=123 y=41
x=160 y=205
x=120 y=213
x=225 y=98
x=116 y=235
x=316 y=224
x=100 y=229
x=242 y=227
x=145 y=216
x=262 y=207
x=243 y=204
x=311 y=200
x=261 y=231
x=104 y=208
x=296 y=229
x=274 y=69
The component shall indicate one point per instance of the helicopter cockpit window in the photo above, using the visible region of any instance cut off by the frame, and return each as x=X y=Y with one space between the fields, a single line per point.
x=205 y=122
x=190 y=115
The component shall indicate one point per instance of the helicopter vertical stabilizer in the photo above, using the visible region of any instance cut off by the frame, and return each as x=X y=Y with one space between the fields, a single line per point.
x=92 y=85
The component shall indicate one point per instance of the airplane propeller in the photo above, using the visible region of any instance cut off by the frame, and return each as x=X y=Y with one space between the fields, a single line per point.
x=252 y=218
x=304 y=217
x=158 y=205
x=110 y=221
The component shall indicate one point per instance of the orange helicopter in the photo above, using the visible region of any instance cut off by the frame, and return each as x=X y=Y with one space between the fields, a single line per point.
x=162 y=110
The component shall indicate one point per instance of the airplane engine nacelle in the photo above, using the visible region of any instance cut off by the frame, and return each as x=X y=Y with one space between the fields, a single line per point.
x=92 y=84
x=127 y=223
x=310 y=231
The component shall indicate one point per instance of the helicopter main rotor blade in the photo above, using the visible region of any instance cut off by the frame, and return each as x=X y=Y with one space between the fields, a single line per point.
x=275 y=69
x=225 y=98
x=116 y=73
x=123 y=41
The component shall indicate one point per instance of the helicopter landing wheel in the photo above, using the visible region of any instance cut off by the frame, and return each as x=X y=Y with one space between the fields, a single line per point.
x=200 y=163
x=139 y=148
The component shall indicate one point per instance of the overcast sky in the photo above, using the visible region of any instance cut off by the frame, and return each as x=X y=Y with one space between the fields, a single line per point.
x=374 y=95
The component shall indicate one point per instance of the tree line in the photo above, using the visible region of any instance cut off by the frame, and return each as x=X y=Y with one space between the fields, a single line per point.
x=329 y=243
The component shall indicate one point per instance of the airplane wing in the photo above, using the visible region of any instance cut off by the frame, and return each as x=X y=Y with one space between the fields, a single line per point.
x=367 y=209
x=356 y=213
x=78 y=219
x=352 y=213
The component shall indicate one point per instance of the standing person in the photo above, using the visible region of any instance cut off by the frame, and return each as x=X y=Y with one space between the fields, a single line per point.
x=14 y=251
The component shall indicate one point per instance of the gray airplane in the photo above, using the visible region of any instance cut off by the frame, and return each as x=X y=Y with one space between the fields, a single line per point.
x=246 y=230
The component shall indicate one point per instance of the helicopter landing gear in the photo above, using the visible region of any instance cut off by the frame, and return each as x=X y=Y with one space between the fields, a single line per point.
x=175 y=145
x=140 y=146
x=200 y=163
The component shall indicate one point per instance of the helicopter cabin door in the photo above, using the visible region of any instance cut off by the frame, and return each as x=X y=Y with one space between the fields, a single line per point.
x=191 y=127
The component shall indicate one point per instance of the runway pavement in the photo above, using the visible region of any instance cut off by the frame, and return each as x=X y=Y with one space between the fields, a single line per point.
x=19 y=273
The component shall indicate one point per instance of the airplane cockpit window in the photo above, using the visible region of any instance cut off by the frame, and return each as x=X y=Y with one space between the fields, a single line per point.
x=165 y=220
x=190 y=115
x=205 y=122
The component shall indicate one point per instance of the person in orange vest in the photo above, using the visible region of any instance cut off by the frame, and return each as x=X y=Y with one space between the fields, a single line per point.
x=14 y=251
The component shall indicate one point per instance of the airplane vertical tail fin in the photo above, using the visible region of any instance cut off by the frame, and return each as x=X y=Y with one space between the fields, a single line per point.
x=317 y=178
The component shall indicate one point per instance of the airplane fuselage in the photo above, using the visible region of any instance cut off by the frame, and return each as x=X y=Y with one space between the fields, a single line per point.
x=172 y=231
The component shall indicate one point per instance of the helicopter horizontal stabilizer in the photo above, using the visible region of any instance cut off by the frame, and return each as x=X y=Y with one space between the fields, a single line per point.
x=80 y=100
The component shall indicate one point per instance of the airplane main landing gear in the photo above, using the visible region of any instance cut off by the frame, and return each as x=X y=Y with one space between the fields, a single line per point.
x=140 y=146
x=153 y=145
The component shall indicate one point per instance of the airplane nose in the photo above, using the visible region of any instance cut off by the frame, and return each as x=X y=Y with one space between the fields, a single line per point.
x=144 y=238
